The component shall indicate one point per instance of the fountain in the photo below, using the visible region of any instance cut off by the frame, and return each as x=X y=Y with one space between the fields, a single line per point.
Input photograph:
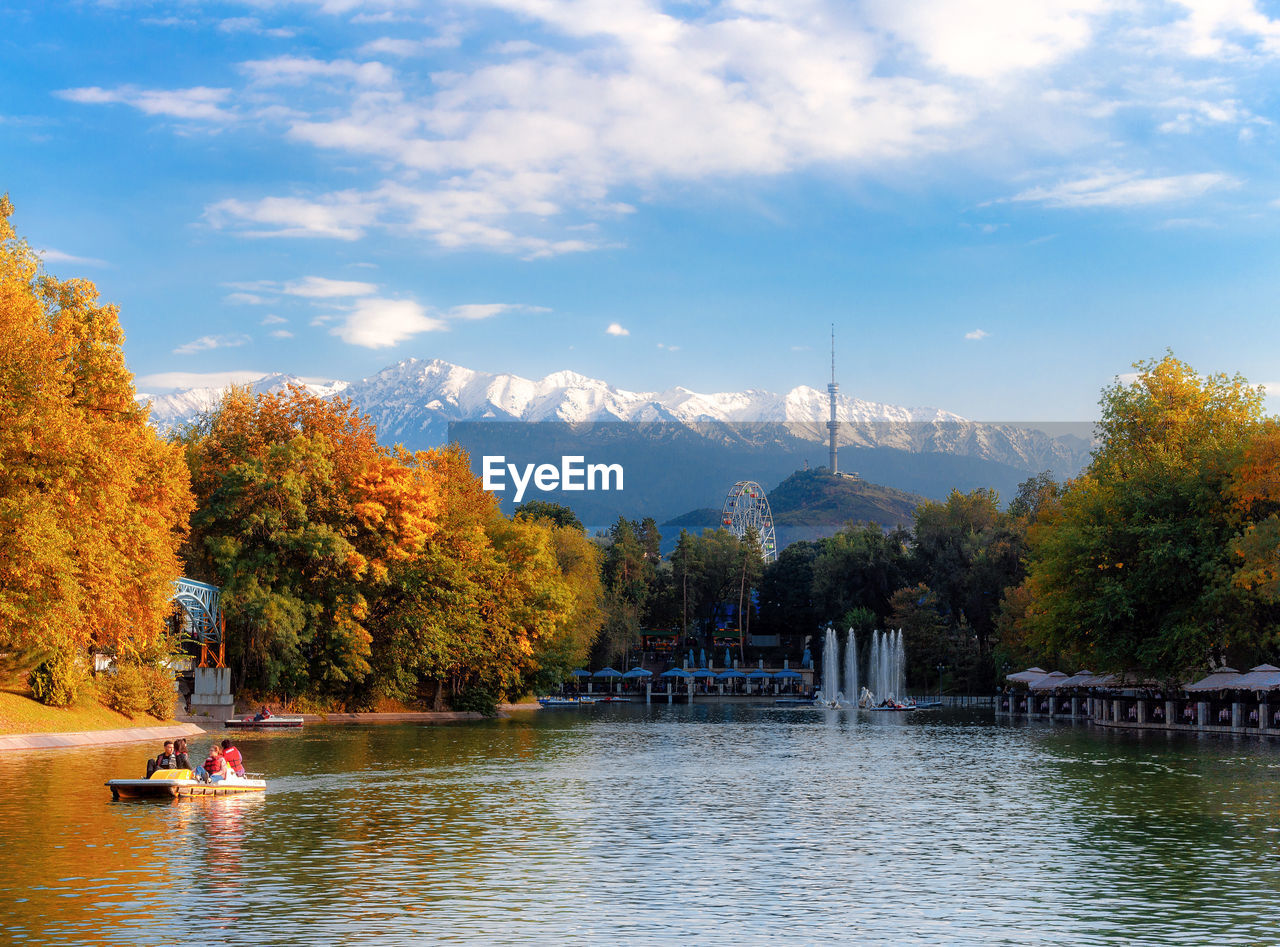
x=830 y=695
x=886 y=669
x=851 y=667
x=886 y=672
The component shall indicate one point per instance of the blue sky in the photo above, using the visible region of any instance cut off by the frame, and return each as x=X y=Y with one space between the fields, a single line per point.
x=1000 y=204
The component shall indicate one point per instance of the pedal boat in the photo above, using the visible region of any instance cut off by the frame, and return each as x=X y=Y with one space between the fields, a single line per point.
x=268 y=723
x=566 y=701
x=174 y=783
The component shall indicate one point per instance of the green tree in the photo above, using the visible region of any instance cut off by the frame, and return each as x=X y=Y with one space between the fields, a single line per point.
x=968 y=552
x=557 y=513
x=300 y=518
x=787 y=600
x=859 y=567
x=1133 y=568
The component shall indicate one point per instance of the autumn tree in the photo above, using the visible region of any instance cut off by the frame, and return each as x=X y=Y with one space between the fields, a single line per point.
x=301 y=516
x=93 y=504
x=1254 y=491
x=487 y=605
x=1135 y=567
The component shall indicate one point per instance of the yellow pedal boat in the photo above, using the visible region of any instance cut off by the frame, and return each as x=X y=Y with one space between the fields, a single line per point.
x=172 y=783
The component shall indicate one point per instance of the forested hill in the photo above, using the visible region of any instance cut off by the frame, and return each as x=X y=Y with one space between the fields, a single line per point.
x=818 y=498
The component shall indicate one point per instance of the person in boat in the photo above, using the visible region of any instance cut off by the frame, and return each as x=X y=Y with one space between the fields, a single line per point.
x=263 y=714
x=233 y=758
x=215 y=768
x=180 y=751
x=167 y=759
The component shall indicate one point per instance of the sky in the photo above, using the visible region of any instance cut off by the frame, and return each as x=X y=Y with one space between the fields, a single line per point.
x=1000 y=205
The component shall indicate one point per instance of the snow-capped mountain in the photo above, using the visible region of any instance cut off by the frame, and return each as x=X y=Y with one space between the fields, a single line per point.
x=414 y=401
x=412 y=394
x=184 y=405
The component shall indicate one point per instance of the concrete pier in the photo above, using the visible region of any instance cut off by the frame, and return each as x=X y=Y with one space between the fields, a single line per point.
x=211 y=694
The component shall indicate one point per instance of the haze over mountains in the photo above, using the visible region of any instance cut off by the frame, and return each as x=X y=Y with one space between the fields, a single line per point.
x=414 y=401
x=681 y=448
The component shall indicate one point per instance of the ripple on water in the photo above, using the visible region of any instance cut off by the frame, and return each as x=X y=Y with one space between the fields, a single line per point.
x=655 y=824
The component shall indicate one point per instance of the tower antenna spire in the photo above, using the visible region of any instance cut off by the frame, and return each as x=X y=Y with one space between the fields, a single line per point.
x=831 y=418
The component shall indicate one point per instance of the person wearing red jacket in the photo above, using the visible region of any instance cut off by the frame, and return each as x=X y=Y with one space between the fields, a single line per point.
x=233 y=758
x=215 y=768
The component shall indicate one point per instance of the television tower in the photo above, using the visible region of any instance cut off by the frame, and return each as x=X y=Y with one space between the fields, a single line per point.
x=831 y=390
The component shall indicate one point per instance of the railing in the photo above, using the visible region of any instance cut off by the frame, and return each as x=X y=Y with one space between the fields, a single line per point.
x=956 y=700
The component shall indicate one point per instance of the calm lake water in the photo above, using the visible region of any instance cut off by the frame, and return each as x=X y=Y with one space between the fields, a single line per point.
x=657 y=825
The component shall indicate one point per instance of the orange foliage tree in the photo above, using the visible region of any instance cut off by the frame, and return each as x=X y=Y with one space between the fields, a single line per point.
x=301 y=515
x=1150 y=561
x=489 y=605
x=93 y=503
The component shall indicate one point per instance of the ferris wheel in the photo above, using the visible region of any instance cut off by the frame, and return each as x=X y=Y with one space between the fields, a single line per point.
x=745 y=506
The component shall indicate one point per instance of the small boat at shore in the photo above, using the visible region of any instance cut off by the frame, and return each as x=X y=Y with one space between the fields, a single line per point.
x=263 y=723
x=565 y=701
x=176 y=783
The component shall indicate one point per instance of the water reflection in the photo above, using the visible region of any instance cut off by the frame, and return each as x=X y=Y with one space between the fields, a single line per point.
x=727 y=824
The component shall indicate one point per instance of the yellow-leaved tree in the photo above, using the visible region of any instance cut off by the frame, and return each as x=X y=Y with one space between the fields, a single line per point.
x=93 y=503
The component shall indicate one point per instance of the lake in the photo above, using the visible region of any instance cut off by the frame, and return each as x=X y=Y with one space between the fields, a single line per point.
x=722 y=824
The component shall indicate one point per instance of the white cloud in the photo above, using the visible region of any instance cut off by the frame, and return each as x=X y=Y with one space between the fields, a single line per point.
x=251 y=24
x=976 y=335
x=343 y=216
x=669 y=348
x=298 y=70
x=616 y=329
x=272 y=320
x=245 y=299
x=392 y=46
x=208 y=342
x=199 y=103
x=563 y=113
x=381 y=323
x=318 y=287
x=1124 y=189
x=473 y=311
x=162 y=380
x=57 y=256
x=1193 y=114
x=1218 y=29
x=281 y=334
x=986 y=39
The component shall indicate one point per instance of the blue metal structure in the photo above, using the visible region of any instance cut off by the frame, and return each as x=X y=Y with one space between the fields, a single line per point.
x=201 y=602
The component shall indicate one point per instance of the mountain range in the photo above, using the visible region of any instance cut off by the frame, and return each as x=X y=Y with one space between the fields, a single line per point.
x=413 y=402
x=681 y=449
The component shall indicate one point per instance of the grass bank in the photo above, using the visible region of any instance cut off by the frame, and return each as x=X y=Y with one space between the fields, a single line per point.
x=20 y=713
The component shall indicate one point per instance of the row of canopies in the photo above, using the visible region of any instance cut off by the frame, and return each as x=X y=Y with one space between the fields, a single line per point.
x=1264 y=677
x=756 y=674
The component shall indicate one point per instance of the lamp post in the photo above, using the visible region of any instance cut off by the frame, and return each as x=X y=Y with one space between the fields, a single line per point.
x=941 y=668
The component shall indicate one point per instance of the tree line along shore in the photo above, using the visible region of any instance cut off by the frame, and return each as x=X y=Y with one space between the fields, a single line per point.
x=354 y=574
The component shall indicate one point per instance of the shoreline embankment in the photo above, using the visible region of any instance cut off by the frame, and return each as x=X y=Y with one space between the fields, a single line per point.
x=51 y=741
x=189 y=728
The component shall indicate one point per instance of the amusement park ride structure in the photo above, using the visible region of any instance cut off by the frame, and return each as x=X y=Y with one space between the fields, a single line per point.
x=746 y=506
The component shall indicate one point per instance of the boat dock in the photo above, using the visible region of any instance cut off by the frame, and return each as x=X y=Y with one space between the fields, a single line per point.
x=1225 y=702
